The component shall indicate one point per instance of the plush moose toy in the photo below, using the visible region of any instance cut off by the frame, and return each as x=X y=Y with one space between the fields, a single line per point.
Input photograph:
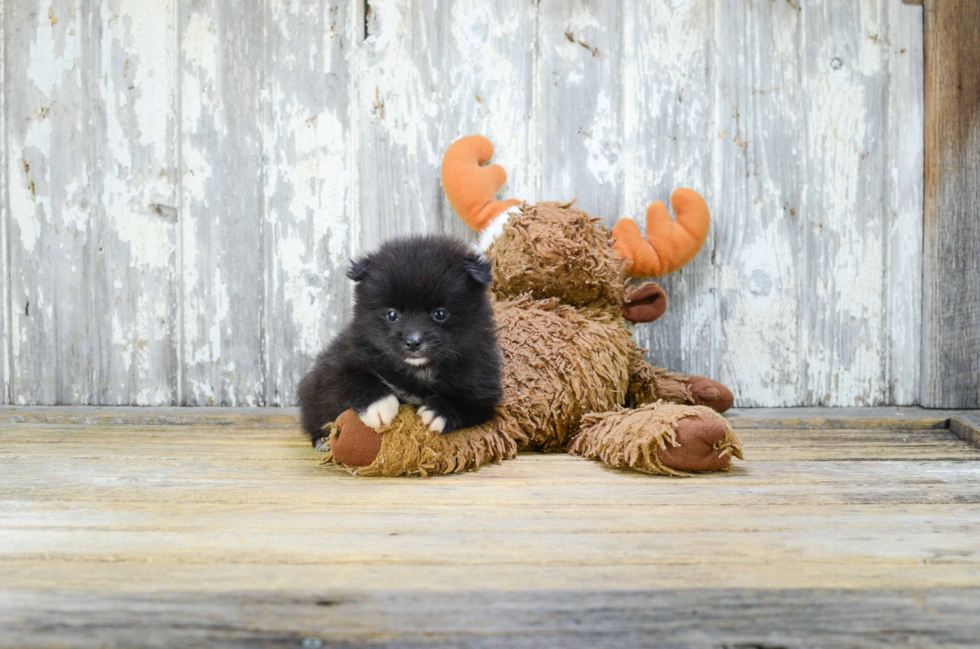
x=574 y=380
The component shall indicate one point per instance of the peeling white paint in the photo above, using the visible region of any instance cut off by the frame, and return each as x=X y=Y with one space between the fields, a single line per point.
x=138 y=201
x=782 y=116
x=602 y=145
x=24 y=210
x=51 y=52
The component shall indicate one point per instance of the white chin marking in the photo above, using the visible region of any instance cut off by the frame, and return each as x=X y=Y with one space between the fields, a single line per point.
x=495 y=227
x=417 y=362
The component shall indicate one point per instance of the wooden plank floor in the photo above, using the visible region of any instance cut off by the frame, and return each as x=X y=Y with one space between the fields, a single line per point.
x=221 y=529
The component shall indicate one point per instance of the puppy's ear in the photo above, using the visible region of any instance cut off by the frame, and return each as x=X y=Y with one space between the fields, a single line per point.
x=478 y=268
x=359 y=269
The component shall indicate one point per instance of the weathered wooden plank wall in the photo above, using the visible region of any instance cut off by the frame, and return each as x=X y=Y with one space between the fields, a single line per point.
x=133 y=128
x=4 y=261
x=185 y=180
x=951 y=315
x=54 y=226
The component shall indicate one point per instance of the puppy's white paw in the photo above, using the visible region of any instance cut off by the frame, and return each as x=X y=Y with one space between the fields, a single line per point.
x=426 y=415
x=435 y=423
x=380 y=412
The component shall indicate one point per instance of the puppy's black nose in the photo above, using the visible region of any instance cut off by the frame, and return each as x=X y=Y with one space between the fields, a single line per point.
x=413 y=342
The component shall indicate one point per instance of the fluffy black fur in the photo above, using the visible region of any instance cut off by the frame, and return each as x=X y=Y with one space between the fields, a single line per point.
x=416 y=277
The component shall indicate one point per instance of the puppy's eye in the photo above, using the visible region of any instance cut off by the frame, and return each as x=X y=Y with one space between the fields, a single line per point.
x=440 y=315
x=391 y=315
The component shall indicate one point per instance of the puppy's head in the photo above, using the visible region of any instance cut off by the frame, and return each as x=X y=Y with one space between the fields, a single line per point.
x=422 y=302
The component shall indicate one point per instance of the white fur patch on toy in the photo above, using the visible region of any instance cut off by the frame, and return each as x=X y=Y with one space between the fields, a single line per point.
x=495 y=227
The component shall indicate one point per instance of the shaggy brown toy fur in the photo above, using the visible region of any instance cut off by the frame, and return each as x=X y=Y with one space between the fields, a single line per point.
x=573 y=377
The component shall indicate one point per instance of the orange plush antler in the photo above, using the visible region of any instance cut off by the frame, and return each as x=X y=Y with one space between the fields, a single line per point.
x=470 y=187
x=668 y=245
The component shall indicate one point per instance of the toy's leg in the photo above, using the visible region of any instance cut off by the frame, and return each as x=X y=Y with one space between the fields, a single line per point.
x=664 y=438
x=649 y=384
x=406 y=446
x=352 y=442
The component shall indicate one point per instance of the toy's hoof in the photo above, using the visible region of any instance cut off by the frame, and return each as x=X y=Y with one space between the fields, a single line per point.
x=700 y=445
x=713 y=394
x=354 y=443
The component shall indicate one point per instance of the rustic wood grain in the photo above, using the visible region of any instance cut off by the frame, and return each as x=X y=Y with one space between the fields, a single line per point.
x=55 y=308
x=668 y=124
x=488 y=71
x=198 y=173
x=222 y=210
x=118 y=534
x=428 y=73
x=577 y=99
x=776 y=444
x=951 y=250
x=842 y=298
x=967 y=428
x=678 y=618
x=904 y=417
x=758 y=213
x=904 y=173
x=97 y=288
x=4 y=216
x=399 y=103
x=134 y=135
x=310 y=222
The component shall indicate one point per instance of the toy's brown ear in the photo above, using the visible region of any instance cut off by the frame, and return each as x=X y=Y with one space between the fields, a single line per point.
x=644 y=303
x=471 y=187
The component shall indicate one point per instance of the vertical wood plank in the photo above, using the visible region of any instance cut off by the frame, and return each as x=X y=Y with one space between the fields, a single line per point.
x=757 y=207
x=310 y=227
x=669 y=135
x=842 y=296
x=134 y=130
x=578 y=106
x=488 y=67
x=905 y=181
x=399 y=103
x=4 y=216
x=951 y=264
x=221 y=223
x=430 y=72
x=54 y=334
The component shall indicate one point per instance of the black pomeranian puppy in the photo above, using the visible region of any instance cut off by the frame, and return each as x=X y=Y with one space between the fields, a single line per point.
x=422 y=332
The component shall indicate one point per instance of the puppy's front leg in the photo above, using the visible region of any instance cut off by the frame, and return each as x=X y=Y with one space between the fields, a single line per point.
x=444 y=415
x=380 y=412
x=373 y=401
